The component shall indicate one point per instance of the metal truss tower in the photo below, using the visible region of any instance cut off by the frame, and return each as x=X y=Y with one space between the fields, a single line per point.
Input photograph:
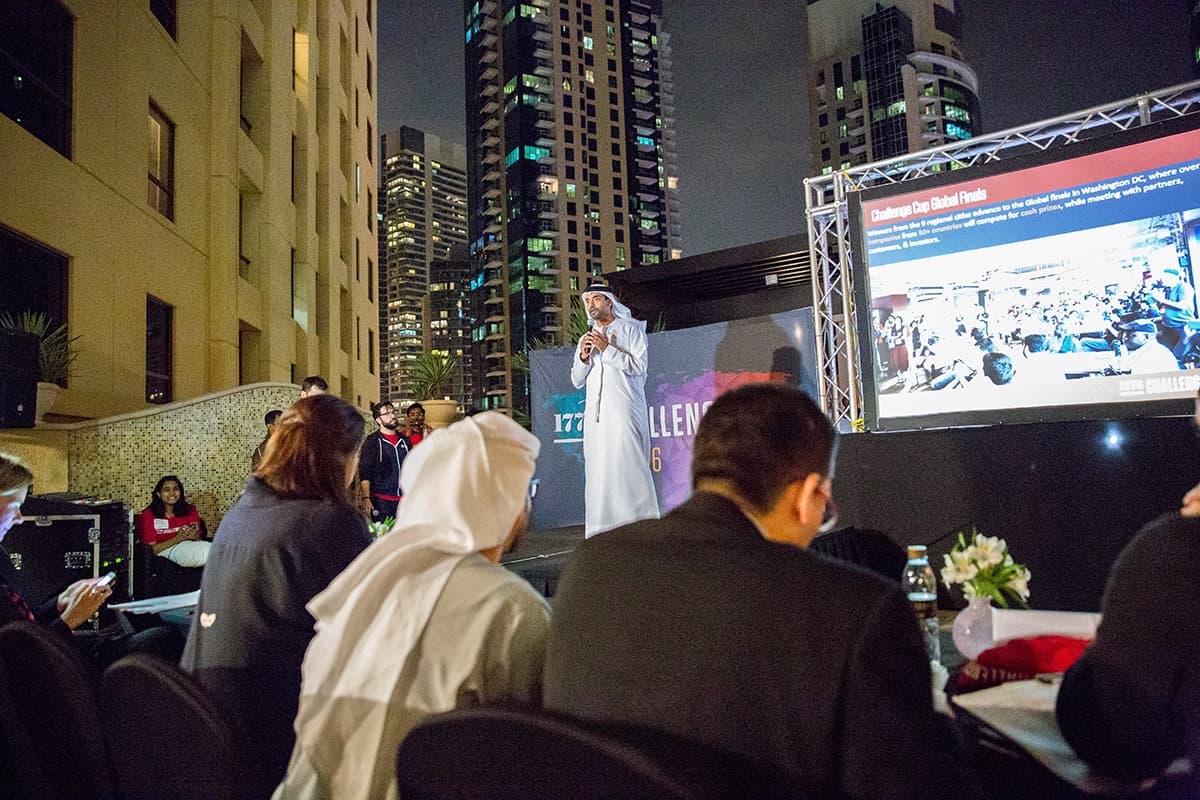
x=835 y=262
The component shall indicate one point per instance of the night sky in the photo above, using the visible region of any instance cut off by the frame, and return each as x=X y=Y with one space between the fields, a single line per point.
x=741 y=115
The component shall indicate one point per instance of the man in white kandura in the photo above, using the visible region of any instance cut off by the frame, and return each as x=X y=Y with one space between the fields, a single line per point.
x=425 y=620
x=611 y=361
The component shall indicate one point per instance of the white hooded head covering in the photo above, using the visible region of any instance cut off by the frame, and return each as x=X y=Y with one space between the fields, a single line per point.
x=464 y=487
x=620 y=310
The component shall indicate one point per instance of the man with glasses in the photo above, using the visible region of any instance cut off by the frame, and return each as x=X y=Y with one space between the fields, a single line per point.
x=715 y=624
x=379 y=463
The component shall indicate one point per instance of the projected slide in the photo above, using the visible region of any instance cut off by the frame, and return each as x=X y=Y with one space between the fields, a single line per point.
x=1070 y=283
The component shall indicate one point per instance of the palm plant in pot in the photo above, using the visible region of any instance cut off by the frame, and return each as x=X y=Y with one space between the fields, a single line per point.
x=432 y=379
x=56 y=353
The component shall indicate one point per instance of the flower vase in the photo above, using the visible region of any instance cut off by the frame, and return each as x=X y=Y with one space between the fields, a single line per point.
x=973 y=627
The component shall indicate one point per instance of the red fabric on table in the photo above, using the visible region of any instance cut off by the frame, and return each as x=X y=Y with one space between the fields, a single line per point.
x=1020 y=660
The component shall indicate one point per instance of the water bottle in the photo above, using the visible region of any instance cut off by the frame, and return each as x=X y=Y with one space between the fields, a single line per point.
x=920 y=585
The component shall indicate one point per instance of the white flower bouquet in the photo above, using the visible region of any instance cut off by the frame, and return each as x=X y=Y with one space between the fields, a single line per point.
x=380 y=528
x=985 y=569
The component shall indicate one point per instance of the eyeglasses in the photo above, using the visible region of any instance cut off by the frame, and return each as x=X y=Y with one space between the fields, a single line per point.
x=829 y=519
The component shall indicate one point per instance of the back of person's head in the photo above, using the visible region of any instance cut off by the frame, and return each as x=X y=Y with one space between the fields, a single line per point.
x=272 y=416
x=310 y=448
x=760 y=438
x=470 y=479
x=314 y=382
x=1037 y=343
x=998 y=368
x=14 y=476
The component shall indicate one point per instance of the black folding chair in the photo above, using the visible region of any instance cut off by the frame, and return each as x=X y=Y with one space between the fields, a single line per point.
x=168 y=739
x=50 y=716
x=508 y=754
x=864 y=547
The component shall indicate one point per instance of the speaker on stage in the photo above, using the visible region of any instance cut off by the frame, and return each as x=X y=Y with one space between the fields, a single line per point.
x=18 y=379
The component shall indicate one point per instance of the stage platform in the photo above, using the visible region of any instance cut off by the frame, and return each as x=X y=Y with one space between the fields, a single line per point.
x=542 y=556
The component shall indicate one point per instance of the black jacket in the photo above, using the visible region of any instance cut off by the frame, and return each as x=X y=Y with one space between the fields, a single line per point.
x=269 y=557
x=379 y=462
x=1131 y=705
x=697 y=626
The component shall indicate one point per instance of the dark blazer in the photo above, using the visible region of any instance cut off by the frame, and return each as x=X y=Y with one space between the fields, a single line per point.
x=1131 y=705
x=698 y=626
x=269 y=557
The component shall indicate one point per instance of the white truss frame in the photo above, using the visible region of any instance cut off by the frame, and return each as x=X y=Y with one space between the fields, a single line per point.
x=827 y=211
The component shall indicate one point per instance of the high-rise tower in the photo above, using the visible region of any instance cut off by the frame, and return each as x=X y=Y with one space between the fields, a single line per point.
x=887 y=79
x=423 y=201
x=570 y=164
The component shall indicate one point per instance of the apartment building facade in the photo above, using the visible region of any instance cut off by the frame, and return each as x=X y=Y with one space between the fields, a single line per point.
x=235 y=252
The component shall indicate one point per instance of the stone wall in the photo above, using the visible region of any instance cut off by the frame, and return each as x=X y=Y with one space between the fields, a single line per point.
x=206 y=441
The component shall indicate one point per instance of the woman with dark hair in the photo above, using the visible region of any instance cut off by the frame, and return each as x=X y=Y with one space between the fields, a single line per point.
x=292 y=531
x=172 y=526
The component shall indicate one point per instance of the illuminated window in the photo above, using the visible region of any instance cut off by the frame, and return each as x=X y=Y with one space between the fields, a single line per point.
x=162 y=163
x=957 y=131
x=954 y=112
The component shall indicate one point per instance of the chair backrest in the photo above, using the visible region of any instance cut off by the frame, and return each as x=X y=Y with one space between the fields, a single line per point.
x=505 y=754
x=169 y=739
x=867 y=548
x=50 y=716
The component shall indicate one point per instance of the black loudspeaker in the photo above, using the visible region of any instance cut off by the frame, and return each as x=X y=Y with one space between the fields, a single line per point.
x=18 y=379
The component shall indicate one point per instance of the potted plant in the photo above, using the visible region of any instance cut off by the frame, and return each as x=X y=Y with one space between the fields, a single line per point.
x=56 y=353
x=431 y=380
x=987 y=572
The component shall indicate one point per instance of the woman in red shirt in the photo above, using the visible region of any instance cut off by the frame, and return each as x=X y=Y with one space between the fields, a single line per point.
x=172 y=526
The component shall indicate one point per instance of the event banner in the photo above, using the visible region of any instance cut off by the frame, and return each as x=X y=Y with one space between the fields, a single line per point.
x=688 y=369
x=1066 y=284
x=1139 y=181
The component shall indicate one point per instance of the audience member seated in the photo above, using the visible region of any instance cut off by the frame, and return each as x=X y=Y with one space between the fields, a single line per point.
x=716 y=623
x=1131 y=705
x=1146 y=354
x=291 y=532
x=425 y=620
x=75 y=604
x=171 y=526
